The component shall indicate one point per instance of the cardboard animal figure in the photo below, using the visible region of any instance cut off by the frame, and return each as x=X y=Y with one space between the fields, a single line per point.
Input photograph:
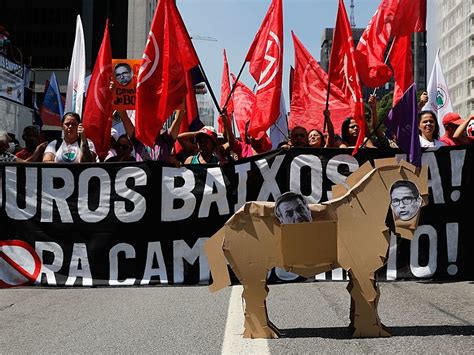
x=351 y=231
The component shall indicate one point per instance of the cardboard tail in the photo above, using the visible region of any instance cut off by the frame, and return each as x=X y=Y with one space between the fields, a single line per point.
x=217 y=261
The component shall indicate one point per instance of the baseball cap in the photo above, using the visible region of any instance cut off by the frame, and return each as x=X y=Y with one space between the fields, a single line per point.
x=114 y=133
x=208 y=131
x=452 y=118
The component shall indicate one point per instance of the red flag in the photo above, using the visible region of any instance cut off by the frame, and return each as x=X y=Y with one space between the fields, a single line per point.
x=393 y=18
x=309 y=93
x=191 y=122
x=402 y=62
x=244 y=101
x=410 y=17
x=168 y=57
x=97 y=117
x=266 y=62
x=343 y=71
x=225 y=91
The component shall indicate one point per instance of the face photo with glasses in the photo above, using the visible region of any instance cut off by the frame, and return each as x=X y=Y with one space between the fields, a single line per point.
x=405 y=200
x=123 y=73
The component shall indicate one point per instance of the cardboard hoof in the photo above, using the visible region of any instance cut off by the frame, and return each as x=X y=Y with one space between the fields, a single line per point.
x=265 y=333
x=374 y=332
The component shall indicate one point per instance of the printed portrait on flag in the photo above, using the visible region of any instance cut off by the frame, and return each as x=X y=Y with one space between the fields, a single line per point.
x=125 y=73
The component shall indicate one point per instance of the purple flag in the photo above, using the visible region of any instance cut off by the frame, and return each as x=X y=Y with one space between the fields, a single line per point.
x=402 y=119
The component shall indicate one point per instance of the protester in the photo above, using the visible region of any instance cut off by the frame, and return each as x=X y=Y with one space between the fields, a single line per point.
x=75 y=147
x=455 y=130
x=162 y=149
x=429 y=130
x=248 y=146
x=405 y=200
x=33 y=151
x=470 y=128
x=206 y=139
x=7 y=147
x=124 y=149
x=291 y=207
x=350 y=131
x=123 y=73
x=114 y=135
x=299 y=137
x=316 y=138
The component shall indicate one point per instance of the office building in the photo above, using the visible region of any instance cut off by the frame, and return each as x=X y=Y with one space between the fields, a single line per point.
x=456 y=41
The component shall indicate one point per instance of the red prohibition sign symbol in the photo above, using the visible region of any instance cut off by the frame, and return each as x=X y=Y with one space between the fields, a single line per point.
x=9 y=258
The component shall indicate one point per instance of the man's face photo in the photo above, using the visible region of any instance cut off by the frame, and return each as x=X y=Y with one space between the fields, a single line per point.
x=292 y=208
x=405 y=200
x=123 y=74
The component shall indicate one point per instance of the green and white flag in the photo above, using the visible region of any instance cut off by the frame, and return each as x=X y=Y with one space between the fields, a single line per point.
x=439 y=101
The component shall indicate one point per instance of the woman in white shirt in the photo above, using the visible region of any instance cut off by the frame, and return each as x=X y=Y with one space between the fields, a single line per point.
x=429 y=130
x=75 y=147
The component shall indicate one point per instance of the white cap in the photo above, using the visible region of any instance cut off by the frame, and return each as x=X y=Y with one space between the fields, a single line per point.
x=114 y=133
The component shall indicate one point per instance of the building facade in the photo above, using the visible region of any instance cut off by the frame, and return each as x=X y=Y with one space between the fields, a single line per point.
x=456 y=41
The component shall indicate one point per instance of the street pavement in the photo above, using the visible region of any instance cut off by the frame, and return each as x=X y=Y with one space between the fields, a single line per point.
x=424 y=317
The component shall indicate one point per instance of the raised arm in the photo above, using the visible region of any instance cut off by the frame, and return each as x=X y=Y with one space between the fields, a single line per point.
x=330 y=127
x=461 y=130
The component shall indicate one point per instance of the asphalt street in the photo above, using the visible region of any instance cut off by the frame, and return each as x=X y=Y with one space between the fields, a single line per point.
x=423 y=318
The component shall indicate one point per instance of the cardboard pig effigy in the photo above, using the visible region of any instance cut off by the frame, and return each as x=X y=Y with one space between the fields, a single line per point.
x=351 y=231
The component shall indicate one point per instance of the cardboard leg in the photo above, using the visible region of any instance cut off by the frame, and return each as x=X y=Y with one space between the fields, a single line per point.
x=366 y=321
x=256 y=323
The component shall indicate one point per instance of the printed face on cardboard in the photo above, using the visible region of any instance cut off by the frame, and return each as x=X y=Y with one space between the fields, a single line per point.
x=405 y=200
x=123 y=73
x=292 y=208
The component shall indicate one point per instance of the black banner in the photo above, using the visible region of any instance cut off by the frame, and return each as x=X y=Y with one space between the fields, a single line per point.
x=145 y=223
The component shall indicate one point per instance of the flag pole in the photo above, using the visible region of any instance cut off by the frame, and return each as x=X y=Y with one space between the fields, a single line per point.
x=234 y=84
x=375 y=91
x=325 y=43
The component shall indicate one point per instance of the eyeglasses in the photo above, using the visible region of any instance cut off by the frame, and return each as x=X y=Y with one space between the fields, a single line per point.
x=353 y=126
x=406 y=201
x=119 y=75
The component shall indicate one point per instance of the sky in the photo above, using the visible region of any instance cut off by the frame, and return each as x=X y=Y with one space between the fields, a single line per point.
x=234 y=24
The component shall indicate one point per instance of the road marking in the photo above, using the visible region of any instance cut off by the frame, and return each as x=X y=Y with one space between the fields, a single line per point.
x=234 y=328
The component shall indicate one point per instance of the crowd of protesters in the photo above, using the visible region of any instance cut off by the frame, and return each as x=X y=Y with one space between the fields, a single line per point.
x=206 y=146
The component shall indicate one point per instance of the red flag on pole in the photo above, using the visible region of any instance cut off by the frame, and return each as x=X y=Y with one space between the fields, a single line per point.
x=393 y=18
x=97 y=117
x=343 y=71
x=402 y=62
x=168 y=58
x=225 y=91
x=244 y=101
x=266 y=63
x=410 y=17
x=309 y=93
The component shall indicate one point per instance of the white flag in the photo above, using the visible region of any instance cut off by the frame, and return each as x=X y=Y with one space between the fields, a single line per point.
x=279 y=130
x=439 y=101
x=77 y=72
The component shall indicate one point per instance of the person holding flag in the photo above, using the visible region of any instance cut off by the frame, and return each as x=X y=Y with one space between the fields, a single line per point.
x=75 y=147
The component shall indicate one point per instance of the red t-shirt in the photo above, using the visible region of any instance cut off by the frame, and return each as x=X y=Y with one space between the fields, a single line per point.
x=24 y=154
x=447 y=141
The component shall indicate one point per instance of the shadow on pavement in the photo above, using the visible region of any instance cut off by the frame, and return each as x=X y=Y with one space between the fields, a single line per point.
x=345 y=333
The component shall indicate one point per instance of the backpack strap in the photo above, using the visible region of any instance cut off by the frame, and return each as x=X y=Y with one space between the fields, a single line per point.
x=59 y=141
